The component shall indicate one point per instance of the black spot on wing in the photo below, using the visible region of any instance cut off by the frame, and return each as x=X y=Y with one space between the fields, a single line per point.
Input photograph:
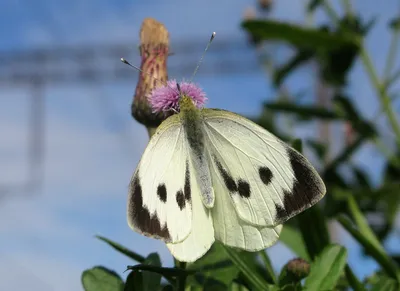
x=307 y=189
x=186 y=189
x=180 y=199
x=265 y=175
x=228 y=180
x=162 y=192
x=148 y=223
x=243 y=189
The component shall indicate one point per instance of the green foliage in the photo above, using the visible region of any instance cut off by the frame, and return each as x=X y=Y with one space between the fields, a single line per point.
x=352 y=198
x=101 y=279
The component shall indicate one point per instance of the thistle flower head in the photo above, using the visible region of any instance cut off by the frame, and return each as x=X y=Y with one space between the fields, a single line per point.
x=166 y=98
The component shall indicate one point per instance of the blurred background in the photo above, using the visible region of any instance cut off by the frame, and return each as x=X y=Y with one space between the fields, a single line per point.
x=68 y=144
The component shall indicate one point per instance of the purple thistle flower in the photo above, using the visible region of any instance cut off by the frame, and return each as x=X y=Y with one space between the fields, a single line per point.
x=166 y=97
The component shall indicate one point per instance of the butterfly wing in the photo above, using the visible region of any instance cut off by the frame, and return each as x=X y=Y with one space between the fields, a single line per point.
x=230 y=229
x=268 y=181
x=159 y=199
x=201 y=237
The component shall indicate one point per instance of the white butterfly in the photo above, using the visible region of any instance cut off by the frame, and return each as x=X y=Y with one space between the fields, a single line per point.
x=210 y=174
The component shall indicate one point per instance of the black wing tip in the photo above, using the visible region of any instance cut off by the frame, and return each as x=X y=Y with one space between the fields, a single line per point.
x=307 y=190
x=139 y=217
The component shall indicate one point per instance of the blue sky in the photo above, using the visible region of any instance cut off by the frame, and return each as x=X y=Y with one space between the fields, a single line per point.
x=92 y=143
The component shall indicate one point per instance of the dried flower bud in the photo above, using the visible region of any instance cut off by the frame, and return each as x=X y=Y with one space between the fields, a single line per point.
x=249 y=14
x=299 y=267
x=166 y=98
x=294 y=271
x=154 y=48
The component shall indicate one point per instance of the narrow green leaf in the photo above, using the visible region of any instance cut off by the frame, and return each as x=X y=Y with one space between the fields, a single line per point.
x=268 y=266
x=152 y=280
x=313 y=4
x=172 y=272
x=326 y=269
x=385 y=284
x=362 y=223
x=376 y=252
x=344 y=155
x=134 y=281
x=301 y=57
x=312 y=225
x=293 y=239
x=101 y=279
x=254 y=278
x=216 y=265
x=304 y=111
x=353 y=280
x=395 y=23
x=299 y=36
x=122 y=249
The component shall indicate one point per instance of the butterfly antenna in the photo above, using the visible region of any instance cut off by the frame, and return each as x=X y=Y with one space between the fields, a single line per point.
x=202 y=57
x=140 y=70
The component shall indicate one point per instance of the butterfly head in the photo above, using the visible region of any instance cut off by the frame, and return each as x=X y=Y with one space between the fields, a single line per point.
x=177 y=97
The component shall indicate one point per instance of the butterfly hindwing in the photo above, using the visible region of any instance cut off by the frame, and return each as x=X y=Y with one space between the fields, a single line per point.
x=229 y=228
x=160 y=198
x=201 y=236
x=268 y=181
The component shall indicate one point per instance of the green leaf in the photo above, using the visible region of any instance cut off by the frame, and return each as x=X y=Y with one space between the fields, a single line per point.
x=299 y=36
x=353 y=280
x=342 y=157
x=293 y=239
x=304 y=111
x=268 y=266
x=313 y=4
x=300 y=58
x=384 y=283
x=361 y=177
x=376 y=252
x=319 y=148
x=101 y=279
x=169 y=272
x=312 y=224
x=362 y=223
x=216 y=265
x=326 y=269
x=253 y=277
x=151 y=280
x=395 y=23
x=134 y=281
x=122 y=249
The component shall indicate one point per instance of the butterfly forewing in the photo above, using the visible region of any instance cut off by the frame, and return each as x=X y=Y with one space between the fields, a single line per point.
x=160 y=198
x=268 y=182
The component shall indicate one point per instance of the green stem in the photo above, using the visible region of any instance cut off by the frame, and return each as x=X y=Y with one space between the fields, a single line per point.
x=381 y=92
x=268 y=266
x=391 y=58
x=330 y=11
x=182 y=279
x=347 y=7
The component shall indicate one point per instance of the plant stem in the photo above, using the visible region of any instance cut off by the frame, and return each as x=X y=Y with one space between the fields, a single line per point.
x=182 y=279
x=330 y=11
x=382 y=93
x=347 y=7
x=391 y=58
x=268 y=265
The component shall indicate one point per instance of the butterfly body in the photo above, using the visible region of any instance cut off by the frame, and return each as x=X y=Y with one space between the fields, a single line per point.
x=211 y=174
x=192 y=121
